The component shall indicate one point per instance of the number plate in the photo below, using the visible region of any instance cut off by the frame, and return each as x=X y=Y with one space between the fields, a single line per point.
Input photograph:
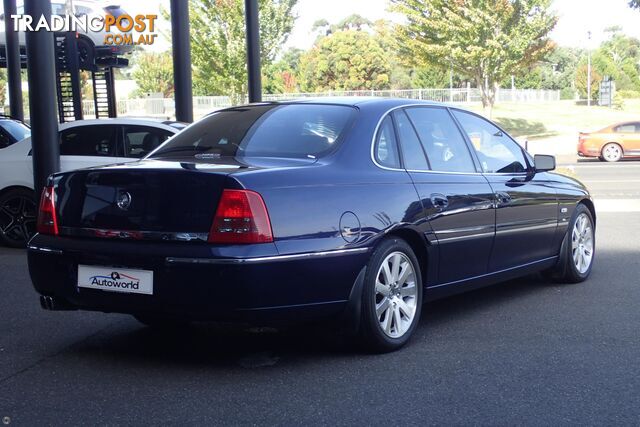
x=116 y=279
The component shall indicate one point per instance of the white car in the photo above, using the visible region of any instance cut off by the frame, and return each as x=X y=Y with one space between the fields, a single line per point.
x=90 y=44
x=83 y=144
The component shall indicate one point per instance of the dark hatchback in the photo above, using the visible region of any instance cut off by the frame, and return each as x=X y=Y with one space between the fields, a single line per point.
x=352 y=210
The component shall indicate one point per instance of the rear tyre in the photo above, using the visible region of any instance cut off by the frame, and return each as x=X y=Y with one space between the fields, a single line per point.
x=578 y=249
x=391 y=297
x=158 y=321
x=612 y=152
x=18 y=217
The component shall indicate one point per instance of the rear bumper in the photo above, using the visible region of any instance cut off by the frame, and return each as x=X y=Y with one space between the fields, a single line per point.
x=198 y=281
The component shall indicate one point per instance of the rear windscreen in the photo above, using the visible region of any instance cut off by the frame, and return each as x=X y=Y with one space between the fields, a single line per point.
x=275 y=130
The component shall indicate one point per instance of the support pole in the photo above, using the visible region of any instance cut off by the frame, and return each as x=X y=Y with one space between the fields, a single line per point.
x=253 y=50
x=182 y=80
x=73 y=67
x=14 y=65
x=42 y=96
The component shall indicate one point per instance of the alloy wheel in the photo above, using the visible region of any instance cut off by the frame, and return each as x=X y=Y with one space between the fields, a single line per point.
x=18 y=219
x=396 y=295
x=582 y=243
x=612 y=152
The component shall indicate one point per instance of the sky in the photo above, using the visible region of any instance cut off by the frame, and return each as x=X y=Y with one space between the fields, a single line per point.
x=576 y=18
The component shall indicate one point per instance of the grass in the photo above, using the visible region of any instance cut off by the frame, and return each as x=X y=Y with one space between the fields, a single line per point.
x=560 y=117
x=553 y=127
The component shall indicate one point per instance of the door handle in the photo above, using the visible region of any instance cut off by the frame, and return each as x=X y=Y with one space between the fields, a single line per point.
x=439 y=201
x=503 y=198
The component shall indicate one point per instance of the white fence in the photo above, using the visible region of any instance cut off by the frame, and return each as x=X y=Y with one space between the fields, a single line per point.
x=164 y=108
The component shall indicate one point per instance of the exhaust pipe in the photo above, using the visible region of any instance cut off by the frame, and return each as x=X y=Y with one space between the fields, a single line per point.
x=55 y=304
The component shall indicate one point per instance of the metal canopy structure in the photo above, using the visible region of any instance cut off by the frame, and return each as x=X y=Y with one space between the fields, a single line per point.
x=43 y=60
x=14 y=65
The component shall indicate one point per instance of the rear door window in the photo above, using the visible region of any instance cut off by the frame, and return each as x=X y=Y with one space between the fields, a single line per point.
x=442 y=141
x=412 y=152
x=142 y=140
x=628 y=128
x=90 y=141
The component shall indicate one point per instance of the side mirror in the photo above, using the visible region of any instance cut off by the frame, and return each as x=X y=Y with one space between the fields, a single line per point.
x=1 y=16
x=544 y=163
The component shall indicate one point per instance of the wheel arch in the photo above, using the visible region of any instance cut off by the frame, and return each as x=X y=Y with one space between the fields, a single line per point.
x=592 y=208
x=418 y=244
x=612 y=142
x=16 y=187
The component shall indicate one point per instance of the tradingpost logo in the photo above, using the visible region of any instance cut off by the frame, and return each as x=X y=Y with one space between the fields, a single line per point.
x=122 y=30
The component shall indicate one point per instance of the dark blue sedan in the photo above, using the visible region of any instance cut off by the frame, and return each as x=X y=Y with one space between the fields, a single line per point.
x=352 y=211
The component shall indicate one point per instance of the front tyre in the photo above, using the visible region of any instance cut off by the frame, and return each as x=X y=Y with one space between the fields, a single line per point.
x=578 y=249
x=391 y=297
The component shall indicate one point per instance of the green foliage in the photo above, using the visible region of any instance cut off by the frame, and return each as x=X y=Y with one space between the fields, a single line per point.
x=618 y=102
x=153 y=73
x=567 y=93
x=282 y=75
x=345 y=60
x=485 y=40
x=628 y=94
x=218 y=43
x=3 y=86
x=582 y=79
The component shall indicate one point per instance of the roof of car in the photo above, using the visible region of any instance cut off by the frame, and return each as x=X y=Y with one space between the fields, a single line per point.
x=122 y=121
x=356 y=100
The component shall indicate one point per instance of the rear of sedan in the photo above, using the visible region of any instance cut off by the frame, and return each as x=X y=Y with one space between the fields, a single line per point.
x=611 y=143
x=184 y=234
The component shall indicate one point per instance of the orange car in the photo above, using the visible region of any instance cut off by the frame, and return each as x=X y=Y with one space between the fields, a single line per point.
x=611 y=143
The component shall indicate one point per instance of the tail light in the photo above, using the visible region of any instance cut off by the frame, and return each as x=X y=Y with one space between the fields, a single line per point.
x=47 y=219
x=241 y=218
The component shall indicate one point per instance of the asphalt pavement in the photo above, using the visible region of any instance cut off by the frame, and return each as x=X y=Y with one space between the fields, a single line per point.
x=524 y=352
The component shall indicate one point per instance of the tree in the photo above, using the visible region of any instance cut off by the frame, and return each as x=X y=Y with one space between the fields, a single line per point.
x=485 y=40
x=218 y=43
x=153 y=73
x=281 y=76
x=345 y=60
x=3 y=88
x=635 y=4
x=582 y=77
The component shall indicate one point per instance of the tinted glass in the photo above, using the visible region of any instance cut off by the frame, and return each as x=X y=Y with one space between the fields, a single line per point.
x=5 y=139
x=142 y=140
x=17 y=130
x=412 y=152
x=275 y=130
x=445 y=147
x=497 y=152
x=386 y=148
x=99 y=140
x=628 y=128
